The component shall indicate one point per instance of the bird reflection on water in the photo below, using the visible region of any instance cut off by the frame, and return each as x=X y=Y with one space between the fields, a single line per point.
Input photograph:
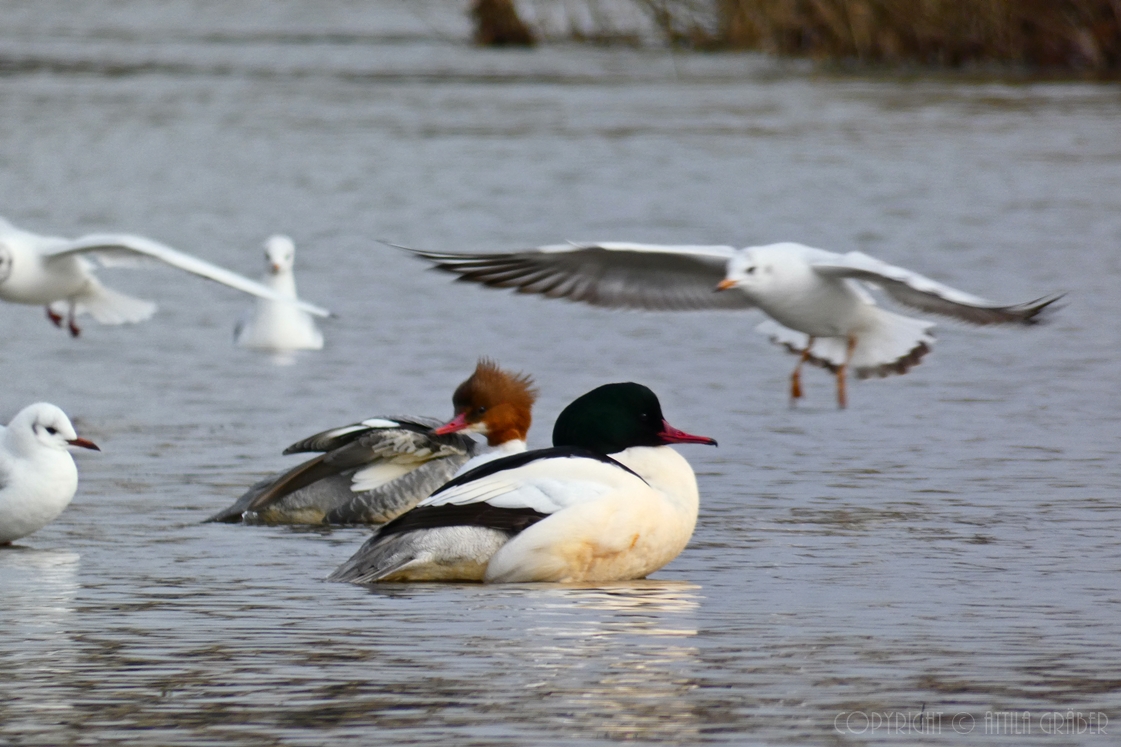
x=617 y=657
x=38 y=593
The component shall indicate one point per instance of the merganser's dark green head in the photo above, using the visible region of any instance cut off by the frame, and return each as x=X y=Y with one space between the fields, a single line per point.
x=615 y=417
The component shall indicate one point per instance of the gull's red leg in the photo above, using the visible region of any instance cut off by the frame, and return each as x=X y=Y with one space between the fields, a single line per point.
x=74 y=329
x=842 y=398
x=796 y=377
x=56 y=319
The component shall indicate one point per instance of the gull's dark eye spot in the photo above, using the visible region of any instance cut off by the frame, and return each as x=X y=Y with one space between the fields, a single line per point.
x=52 y=430
x=750 y=270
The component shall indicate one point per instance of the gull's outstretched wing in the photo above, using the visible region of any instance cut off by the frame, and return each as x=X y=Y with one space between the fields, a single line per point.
x=113 y=248
x=612 y=274
x=920 y=292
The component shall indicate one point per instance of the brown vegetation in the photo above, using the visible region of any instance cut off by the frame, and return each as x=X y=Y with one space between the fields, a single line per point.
x=497 y=24
x=1068 y=34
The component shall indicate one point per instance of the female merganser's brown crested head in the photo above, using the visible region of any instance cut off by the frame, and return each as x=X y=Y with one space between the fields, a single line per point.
x=496 y=403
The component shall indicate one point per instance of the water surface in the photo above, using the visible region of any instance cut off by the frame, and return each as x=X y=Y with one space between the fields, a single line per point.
x=949 y=543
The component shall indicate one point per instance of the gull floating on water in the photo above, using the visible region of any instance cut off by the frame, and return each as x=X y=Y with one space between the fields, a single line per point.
x=58 y=273
x=37 y=474
x=818 y=301
x=276 y=325
x=609 y=502
x=371 y=472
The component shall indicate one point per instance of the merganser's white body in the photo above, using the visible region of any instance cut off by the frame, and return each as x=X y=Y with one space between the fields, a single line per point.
x=818 y=301
x=58 y=273
x=489 y=453
x=275 y=325
x=610 y=526
x=567 y=514
x=38 y=477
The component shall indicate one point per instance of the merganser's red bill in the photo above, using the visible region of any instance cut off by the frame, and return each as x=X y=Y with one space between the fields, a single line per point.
x=85 y=444
x=671 y=435
x=458 y=423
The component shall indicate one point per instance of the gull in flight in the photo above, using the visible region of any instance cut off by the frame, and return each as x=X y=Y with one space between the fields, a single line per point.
x=58 y=273
x=275 y=325
x=819 y=303
x=37 y=474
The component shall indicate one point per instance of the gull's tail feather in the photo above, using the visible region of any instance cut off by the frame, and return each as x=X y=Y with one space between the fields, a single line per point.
x=891 y=344
x=108 y=306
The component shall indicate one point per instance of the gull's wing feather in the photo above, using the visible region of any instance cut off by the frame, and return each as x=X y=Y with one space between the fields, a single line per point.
x=920 y=292
x=618 y=275
x=122 y=248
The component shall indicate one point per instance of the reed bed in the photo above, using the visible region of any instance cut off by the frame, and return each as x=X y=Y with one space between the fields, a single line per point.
x=1058 y=35
x=1067 y=34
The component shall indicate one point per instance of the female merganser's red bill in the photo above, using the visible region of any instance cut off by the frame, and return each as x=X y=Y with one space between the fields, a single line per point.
x=375 y=470
x=610 y=501
x=819 y=302
x=456 y=424
x=494 y=403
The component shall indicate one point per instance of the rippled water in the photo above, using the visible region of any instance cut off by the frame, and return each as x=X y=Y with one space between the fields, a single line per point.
x=949 y=543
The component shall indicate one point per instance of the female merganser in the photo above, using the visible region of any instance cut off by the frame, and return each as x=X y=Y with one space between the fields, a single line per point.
x=609 y=502
x=275 y=325
x=818 y=301
x=373 y=471
x=58 y=273
x=37 y=474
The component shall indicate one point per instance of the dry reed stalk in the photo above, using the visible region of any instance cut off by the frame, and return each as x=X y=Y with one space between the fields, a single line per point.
x=1072 y=34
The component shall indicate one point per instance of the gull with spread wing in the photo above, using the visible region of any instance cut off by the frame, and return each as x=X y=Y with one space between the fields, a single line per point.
x=58 y=273
x=819 y=303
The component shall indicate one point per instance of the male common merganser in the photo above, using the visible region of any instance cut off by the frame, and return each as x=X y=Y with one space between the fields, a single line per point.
x=609 y=502
x=274 y=325
x=370 y=472
x=818 y=301
x=58 y=273
x=37 y=474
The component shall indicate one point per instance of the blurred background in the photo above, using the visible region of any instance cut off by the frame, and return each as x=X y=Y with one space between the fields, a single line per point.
x=948 y=543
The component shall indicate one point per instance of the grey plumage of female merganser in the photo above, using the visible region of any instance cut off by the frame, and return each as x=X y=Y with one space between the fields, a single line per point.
x=371 y=472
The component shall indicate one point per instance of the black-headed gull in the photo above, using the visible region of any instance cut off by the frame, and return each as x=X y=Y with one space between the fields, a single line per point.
x=274 y=325
x=609 y=502
x=819 y=304
x=373 y=471
x=37 y=474
x=58 y=273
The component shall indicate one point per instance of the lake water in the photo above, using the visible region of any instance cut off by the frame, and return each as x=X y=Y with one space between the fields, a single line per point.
x=938 y=564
